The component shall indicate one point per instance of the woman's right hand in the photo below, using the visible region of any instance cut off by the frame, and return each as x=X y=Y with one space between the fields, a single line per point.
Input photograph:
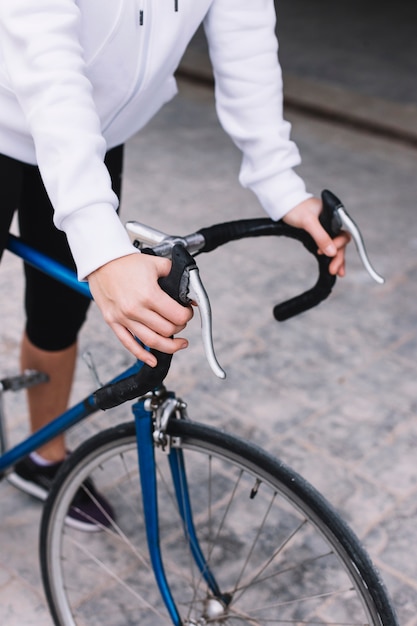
x=132 y=303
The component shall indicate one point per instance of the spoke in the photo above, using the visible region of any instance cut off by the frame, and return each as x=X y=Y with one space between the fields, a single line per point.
x=197 y=576
x=180 y=532
x=213 y=536
x=319 y=596
x=115 y=532
x=226 y=513
x=237 y=615
x=280 y=572
x=114 y=576
x=274 y=620
x=252 y=547
x=268 y=561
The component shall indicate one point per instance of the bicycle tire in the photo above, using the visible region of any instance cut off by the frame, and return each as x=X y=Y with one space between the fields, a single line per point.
x=307 y=566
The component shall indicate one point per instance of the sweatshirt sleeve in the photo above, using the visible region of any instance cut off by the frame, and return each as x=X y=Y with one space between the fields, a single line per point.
x=44 y=60
x=249 y=100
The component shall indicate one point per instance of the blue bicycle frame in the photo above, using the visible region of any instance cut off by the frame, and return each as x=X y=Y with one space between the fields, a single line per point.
x=145 y=446
x=84 y=408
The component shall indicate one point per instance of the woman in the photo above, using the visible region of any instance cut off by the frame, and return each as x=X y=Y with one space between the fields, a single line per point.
x=77 y=79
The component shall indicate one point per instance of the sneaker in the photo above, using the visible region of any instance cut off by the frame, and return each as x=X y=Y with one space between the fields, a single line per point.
x=89 y=510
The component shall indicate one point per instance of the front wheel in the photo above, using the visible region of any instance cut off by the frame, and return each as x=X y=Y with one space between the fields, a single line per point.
x=276 y=551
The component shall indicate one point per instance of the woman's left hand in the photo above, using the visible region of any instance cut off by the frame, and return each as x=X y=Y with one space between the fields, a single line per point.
x=306 y=215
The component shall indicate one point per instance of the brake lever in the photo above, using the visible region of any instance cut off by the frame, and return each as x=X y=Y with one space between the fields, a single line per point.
x=341 y=220
x=333 y=218
x=199 y=296
x=184 y=285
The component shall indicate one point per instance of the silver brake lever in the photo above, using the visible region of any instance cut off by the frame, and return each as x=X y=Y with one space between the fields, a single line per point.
x=198 y=294
x=347 y=224
x=162 y=244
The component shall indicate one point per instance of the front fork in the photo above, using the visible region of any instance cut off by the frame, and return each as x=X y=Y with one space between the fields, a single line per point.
x=147 y=468
x=146 y=436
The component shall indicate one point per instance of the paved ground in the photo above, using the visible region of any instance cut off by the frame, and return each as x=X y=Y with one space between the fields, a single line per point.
x=333 y=392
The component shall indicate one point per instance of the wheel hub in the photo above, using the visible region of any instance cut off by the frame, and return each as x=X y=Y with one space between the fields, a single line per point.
x=214 y=612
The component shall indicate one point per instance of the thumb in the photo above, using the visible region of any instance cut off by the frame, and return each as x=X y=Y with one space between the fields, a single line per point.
x=306 y=215
x=321 y=237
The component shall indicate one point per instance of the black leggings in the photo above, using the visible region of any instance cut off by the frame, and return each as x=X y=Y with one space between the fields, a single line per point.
x=54 y=312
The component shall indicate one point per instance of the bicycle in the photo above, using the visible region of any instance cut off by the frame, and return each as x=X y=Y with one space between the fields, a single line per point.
x=234 y=535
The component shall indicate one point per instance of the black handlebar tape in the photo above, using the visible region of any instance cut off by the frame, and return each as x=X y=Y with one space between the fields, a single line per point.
x=148 y=378
x=232 y=231
x=310 y=298
x=219 y=234
x=326 y=281
x=133 y=386
x=322 y=289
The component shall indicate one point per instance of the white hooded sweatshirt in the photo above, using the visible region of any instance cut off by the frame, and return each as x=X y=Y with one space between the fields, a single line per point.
x=78 y=77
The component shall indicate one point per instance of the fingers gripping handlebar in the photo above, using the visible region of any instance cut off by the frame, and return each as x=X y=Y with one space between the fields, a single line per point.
x=148 y=378
x=333 y=219
x=264 y=227
x=184 y=278
x=183 y=275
